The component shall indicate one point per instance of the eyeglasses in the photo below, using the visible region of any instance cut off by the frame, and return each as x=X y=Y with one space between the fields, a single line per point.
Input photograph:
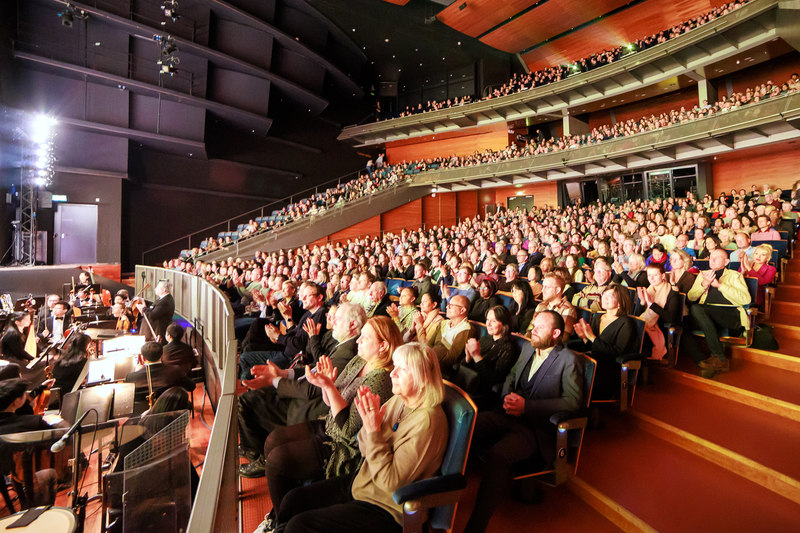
x=456 y=305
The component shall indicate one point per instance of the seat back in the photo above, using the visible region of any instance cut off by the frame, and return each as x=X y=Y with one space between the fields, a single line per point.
x=589 y=366
x=752 y=288
x=461 y=412
x=394 y=285
x=506 y=297
x=478 y=329
x=519 y=341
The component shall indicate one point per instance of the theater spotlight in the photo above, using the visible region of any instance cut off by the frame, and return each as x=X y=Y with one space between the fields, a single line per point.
x=66 y=18
x=69 y=15
x=170 y=8
x=168 y=46
x=167 y=65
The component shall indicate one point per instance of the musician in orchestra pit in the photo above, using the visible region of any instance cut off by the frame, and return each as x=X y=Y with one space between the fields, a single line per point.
x=69 y=366
x=176 y=352
x=120 y=313
x=13 y=342
x=56 y=324
x=52 y=300
x=13 y=396
x=122 y=297
x=161 y=376
x=161 y=312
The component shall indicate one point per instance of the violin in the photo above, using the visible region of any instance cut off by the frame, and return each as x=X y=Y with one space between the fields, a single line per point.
x=136 y=299
x=43 y=400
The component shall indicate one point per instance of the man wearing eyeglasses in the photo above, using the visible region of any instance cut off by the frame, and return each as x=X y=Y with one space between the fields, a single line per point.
x=590 y=295
x=450 y=336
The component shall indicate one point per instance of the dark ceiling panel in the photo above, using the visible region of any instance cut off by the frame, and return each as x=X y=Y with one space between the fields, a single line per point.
x=547 y=20
x=481 y=16
x=617 y=30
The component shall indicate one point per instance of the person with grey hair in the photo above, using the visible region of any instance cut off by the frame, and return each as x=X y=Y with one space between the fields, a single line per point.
x=379 y=300
x=161 y=312
x=285 y=397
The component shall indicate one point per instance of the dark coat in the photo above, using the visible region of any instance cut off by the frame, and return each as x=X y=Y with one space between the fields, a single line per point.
x=558 y=386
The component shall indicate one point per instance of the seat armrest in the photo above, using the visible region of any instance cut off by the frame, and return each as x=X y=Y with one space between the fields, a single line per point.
x=427 y=487
x=631 y=359
x=570 y=419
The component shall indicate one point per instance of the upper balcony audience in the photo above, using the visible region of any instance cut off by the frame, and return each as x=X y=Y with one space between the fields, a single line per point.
x=557 y=73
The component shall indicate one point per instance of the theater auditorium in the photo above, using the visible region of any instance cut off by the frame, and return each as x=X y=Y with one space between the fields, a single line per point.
x=399 y=266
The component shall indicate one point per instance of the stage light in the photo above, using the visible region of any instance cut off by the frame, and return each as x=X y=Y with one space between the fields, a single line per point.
x=167 y=66
x=42 y=173
x=66 y=18
x=462 y=6
x=41 y=182
x=170 y=8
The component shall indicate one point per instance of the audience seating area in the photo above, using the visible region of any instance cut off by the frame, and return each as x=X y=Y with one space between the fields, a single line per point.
x=590 y=234
x=559 y=72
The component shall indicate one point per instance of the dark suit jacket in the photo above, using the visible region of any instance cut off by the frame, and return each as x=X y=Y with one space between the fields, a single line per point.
x=160 y=315
x=305 y=400
x=163 y=377
x=383 y=305
x=557 y=386
x=178 y=353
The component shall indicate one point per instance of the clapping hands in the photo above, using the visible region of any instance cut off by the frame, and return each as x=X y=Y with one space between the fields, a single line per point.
x=369 y=407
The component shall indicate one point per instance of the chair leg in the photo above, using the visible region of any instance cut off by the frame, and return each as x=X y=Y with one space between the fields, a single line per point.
x=6 y=496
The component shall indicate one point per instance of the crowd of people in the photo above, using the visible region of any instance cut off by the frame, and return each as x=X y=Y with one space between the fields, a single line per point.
x=324 y=344
x=380 y=175
x=557 y=73
x=373 y=181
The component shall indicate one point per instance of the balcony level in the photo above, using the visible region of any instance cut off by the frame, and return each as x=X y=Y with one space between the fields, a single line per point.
x=753 y=25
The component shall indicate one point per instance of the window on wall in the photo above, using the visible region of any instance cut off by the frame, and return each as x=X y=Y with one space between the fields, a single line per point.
x=522 y=202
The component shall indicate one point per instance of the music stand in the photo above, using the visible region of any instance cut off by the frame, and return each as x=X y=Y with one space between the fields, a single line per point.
x=38 y=302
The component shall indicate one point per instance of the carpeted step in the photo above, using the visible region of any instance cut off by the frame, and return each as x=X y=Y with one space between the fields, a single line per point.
x=787 y=293
x=673 y=490
x=768 y=388
x=766 y=442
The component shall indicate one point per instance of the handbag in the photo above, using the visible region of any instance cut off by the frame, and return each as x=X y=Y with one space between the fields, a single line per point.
x=763 y=339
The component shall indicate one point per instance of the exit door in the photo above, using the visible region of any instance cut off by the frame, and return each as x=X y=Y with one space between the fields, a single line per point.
x=75 y=234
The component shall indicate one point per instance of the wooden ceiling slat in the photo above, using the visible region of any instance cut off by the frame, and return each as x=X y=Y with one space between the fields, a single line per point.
x=397 y=2
x=546 y=21
x=481 y=15
x=624 y=27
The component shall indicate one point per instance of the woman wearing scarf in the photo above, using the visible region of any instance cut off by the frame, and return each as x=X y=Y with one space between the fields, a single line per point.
x=658 y=305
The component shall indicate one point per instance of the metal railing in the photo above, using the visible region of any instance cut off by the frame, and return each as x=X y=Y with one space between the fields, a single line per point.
x=195 y=238
x=247 y=244
x=200 y=302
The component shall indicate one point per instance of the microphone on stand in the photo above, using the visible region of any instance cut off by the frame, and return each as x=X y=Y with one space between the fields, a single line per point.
x=61 y=443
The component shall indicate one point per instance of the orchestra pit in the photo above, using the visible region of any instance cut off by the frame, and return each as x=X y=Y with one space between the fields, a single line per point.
x=399 y=266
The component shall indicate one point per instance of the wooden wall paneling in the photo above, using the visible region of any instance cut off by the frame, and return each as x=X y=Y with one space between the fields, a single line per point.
x=644 y=19
x=370 y=227
x=481 y=15
x=544 y=193
x=599 y=118
x=687 y=97
x=773 y=164
x=448 y=209
x=485 y=197
x=468 y=142
x=550 y=19
x=430 y=210
x=778 y=70
x=407 y=216
x=466 y=204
